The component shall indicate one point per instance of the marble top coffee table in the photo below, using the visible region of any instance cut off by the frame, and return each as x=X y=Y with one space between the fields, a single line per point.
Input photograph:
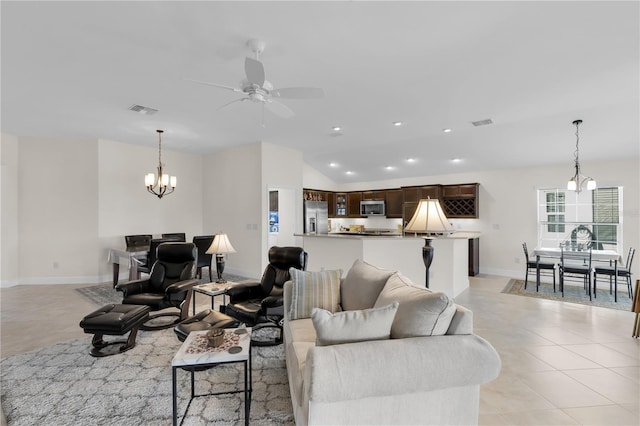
x=195 y=355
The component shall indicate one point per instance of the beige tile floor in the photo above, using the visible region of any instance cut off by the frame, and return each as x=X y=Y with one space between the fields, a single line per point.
x=562 y=363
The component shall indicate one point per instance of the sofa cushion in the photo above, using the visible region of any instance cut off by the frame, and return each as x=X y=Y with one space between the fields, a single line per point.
x=362 y=285
x=420 y=313
x=353 y=326
x=314 y=290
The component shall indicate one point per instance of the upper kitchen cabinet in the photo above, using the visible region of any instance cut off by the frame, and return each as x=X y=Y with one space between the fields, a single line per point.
x=340 y=204
x=430 y=191
x=373 y=196
x=413 y=194
x=393 y=206
x=353 y=204
x=460 y=201
x=331 y=204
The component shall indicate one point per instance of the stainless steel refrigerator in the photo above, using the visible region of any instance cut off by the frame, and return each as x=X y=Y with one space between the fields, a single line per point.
x=316 y=217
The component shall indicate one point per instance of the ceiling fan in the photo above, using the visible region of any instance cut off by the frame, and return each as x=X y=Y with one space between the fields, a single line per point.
x=257 y=89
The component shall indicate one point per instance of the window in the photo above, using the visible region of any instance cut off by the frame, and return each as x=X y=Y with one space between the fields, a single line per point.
x=555 y=204
x=589 y=219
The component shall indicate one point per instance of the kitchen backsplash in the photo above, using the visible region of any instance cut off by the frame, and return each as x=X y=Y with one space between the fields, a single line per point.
x=392 y=224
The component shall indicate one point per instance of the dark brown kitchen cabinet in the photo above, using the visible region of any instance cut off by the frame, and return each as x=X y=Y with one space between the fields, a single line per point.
x=460 y=201
x=393 y=203
x=430 y=191
x=373 y=195
x=408 y=209
x=353 y=204
x=341 y=204
x=474 y=256
x=331 y=204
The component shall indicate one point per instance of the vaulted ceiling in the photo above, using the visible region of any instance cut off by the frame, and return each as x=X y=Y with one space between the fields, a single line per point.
x=72 y=70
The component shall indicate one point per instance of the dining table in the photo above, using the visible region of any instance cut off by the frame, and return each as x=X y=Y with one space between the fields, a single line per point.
x=133 y=257
x=596 y=255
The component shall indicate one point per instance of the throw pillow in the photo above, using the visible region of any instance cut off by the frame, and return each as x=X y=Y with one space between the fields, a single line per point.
x=314 y=290
x=421 y=312
x=353 y=326
x=362 y=285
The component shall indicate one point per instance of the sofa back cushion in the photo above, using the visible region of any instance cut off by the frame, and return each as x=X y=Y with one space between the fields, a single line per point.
x=353 y=326
x=362 y=285
x=420 y=311
x=314 y=290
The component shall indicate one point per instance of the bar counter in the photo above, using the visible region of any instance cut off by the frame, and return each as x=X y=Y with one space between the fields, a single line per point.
x=448 y=272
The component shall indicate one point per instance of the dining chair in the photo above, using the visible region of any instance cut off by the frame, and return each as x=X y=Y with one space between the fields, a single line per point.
x=176 y=236
x=546 y=268
x=580 y=272
x=624 y=271
x=137 y=240
x=203 y=242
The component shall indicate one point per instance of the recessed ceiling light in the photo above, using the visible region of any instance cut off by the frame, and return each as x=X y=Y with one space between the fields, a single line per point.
x=349 y=172
x=389 y=167
x=456 y=160
x=398 y=123
x=411 y=160
x=333 y=164
x=336 y=128
x=447 y=130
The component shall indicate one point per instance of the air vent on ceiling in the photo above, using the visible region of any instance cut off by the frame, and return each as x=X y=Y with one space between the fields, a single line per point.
x=143 y=109
x=482 y=122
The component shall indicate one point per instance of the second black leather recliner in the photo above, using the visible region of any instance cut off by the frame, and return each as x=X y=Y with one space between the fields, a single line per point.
x=260 y=304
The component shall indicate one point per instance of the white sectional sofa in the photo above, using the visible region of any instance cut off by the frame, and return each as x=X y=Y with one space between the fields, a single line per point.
x=386 y=352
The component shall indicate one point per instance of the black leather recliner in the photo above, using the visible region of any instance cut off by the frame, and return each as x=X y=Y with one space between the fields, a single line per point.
x=260 y=304
x=169 y=284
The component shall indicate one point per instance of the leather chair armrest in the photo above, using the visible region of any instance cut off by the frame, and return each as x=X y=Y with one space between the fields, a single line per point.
x=272 y=302
x=133 y=287
x=244 y=291
x=181 y=286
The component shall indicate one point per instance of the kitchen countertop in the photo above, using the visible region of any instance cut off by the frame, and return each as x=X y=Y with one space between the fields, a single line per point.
x=387 y=235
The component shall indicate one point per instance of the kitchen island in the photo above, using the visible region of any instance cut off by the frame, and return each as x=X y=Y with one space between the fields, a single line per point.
x=448 y=272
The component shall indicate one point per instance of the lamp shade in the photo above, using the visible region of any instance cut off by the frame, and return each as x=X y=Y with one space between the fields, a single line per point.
x=220 y=244
x=429 y=218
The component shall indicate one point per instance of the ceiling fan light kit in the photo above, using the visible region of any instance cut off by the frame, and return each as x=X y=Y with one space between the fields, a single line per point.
x=256 y=88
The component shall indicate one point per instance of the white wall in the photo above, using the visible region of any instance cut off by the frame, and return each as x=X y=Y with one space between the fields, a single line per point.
x=8 y=210
x=233 y=201
x=73 y=199
x=508 y=205
x=58 y=210
x=124 y=205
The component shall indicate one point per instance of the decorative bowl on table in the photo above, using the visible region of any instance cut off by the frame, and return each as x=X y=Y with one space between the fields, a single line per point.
x=215 y=337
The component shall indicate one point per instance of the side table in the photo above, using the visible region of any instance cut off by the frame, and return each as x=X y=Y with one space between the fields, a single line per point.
x=213 y=289
x=195 y=355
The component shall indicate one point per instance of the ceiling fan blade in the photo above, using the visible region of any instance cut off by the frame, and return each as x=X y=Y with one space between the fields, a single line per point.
x=279 y=109
x=221 y=86
x=254 y=70
x=229 y=103
x=298 y=93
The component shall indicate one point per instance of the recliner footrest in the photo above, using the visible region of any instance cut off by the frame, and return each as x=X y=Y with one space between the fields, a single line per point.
x=114 y=319
x=205 y=320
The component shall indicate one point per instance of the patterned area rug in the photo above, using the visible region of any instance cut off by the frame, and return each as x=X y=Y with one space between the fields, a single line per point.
x=572 y=294
x=64 y=385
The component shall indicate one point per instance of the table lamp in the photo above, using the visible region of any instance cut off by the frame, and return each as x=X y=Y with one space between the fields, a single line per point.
x=219 y=246
x=429 y=218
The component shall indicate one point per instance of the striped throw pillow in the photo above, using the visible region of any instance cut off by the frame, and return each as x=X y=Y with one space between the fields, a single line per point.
x=314 y=290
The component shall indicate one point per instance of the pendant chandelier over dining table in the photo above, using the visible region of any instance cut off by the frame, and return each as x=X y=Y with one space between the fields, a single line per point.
x=163 y=184
x=576 y=182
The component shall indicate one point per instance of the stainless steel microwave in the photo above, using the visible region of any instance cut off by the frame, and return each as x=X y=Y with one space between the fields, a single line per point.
x=372 y=208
